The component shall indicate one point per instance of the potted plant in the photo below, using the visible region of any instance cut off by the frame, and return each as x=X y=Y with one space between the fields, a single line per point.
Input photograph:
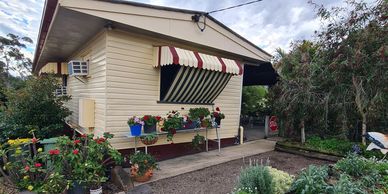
x=197 y=141
x=207 y=122
x=198 y=113
x=135 y=124
x=188 y=123
x=218 y=116
x=149 y=139
x=150 y=123
x=85 y=159
x=142 y=166
x=171 y=123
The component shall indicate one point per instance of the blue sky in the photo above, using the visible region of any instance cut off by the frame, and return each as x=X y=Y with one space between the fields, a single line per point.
x=270 y=24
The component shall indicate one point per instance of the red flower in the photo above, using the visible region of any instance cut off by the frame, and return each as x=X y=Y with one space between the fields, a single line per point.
x=54 y=152
x=75 y=152
x=77 y=141
x=34 y=140
x=146 y=117
x=84 y=135
x=215 y=114
x=27 y=168
x=38 y=165
x=100 y=140
x=158 y=118
x=218 y=109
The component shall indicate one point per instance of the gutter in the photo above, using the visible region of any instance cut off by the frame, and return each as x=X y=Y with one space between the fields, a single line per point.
x=47 y=17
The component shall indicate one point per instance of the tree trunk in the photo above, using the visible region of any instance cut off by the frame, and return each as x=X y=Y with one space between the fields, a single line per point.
x=302 y=133
x=363 y=129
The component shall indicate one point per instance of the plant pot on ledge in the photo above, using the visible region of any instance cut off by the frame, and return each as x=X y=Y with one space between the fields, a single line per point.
x=96 y=191
x=149 y=128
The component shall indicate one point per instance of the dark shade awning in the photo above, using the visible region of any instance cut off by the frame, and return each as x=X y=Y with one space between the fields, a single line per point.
x=261 y=74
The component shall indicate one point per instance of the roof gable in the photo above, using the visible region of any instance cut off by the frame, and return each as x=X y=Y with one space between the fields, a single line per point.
x=167 y=22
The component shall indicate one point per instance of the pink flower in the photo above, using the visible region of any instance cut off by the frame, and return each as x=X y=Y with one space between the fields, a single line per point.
x=27 y=168
x=34 y=140
x=38 y=165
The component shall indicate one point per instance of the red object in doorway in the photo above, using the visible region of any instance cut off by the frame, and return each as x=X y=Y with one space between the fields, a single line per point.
x=272 y=123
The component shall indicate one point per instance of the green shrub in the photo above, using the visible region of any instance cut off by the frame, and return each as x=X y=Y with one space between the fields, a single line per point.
x=255 y=179
x=331 y=145
x=345 y=185
x=35 y=107
x=355 y=165
x=311 y=180
x=281 y=181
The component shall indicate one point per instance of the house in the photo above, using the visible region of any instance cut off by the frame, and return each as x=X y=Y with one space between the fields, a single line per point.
x=145 y=59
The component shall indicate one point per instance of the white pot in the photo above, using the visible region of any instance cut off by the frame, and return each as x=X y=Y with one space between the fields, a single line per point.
x=96 y=191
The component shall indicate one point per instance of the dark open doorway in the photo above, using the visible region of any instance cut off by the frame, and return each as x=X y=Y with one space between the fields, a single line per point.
x=256 y=81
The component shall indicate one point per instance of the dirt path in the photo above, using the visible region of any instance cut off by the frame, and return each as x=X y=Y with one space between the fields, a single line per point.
x=222 y=178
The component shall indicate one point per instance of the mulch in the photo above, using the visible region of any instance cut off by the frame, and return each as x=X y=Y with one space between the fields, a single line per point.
x=222 y=178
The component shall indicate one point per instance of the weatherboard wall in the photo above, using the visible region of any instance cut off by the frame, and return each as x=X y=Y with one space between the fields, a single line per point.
x=132 y=88
x=94 y=86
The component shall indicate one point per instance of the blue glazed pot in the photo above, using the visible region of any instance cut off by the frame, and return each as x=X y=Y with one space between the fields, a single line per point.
x=135 y=130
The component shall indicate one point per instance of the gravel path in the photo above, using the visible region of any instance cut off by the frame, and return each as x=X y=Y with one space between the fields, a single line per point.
x=223 y=177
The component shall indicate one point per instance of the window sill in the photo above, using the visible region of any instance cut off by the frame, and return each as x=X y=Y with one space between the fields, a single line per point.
x=165 y=102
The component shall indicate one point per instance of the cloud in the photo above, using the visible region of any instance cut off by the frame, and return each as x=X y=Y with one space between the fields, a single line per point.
x=21 y=17
x=270 y=24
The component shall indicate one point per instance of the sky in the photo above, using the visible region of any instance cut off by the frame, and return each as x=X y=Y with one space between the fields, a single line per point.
x=270 y=24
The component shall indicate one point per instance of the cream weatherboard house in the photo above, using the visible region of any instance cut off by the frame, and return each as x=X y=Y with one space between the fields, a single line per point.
x=143 y=59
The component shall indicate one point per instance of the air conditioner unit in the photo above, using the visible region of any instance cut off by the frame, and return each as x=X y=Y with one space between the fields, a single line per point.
x=61 y=91
x=78 y=68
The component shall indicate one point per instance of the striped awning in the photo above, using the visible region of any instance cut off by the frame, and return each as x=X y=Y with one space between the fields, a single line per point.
x=196 y=86
x=168 y=55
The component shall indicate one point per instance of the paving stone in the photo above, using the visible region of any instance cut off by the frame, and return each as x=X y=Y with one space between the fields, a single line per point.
x=121 y=178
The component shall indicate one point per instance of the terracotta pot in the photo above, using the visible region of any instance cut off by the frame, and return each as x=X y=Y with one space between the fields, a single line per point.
x=153 y=141
x=146 y=177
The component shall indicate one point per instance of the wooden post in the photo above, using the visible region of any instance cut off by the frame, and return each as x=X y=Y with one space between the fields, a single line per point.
x=241 y=134
x=266 y=127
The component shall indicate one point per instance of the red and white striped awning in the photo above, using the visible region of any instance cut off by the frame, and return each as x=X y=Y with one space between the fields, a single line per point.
x=168 y=55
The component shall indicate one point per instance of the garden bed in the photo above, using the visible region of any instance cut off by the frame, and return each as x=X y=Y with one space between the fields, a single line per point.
x=307 y=152
x=223 y=177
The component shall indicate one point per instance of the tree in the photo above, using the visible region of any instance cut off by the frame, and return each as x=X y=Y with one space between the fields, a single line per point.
x=11 y=56
x=343 y=74
x=35 y=107
x=254 y=100
x=355 y=49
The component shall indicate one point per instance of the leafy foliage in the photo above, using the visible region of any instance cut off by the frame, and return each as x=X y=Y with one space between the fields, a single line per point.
x=311 y=180
x=141 y=163
x=34 y=107
x=281 y=181
x=11 y=56
x=332 y=83
x=255 y=179
x=254 y=100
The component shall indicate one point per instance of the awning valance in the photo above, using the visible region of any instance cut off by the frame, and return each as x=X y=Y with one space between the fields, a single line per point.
x=168 y=55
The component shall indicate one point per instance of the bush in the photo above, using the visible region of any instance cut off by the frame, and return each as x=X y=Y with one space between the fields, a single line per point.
x=311 y=180
x=345 y=185
x=35 y=107
x=331 y=145
x=255 y=179
x=281 y=181
x=355 y=165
